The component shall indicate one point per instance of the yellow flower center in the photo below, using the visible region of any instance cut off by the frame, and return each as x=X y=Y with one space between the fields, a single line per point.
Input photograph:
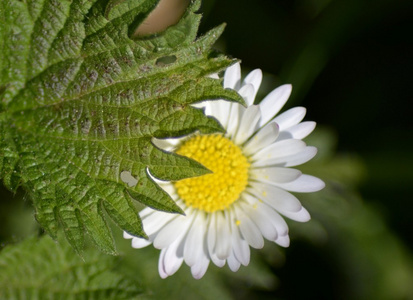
x=229 y=177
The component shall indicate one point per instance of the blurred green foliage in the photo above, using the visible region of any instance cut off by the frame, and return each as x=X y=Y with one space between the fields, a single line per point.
x=40 y=268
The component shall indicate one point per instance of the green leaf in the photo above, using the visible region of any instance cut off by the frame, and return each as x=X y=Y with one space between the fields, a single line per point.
x=43 y=269
x=81 y=101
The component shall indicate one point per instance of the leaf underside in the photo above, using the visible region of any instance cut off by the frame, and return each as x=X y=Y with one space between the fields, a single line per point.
x=81 y=101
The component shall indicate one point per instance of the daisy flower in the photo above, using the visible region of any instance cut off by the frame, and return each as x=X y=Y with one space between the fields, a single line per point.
x=247 y=194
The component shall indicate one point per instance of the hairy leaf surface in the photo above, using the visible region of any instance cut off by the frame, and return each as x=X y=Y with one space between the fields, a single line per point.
x=81 y=101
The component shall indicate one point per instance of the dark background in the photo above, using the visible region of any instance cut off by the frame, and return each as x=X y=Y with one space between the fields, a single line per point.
x=350 y=63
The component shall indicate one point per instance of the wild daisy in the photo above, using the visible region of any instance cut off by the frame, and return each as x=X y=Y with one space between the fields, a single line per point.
x=247 y=194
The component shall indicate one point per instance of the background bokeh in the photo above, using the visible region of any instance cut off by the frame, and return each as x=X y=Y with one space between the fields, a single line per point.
x=350 y=64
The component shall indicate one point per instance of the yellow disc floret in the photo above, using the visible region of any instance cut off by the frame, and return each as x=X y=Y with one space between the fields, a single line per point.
x=229 y=177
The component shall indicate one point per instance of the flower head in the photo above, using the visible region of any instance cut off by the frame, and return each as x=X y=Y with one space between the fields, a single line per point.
x=244 y=198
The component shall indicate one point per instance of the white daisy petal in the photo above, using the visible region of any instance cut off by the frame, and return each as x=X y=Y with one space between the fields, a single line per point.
x=243 y=252
x=172 y=262
x=277 y=198
x=283 y=241
x=290 y=117
x=138 y=243
x=166 y=144
x=278 y=150
x=161 y=264
x=247 y=92
x=274 y=174
x=273 y=102
x=248 y=124
x=205 y=105
x=155 y=221
x=211 y=240
x=146 y=212
x=249 y=230
x=233 y=120
x=296 y=159
x=263 y=138
x=218 y=262
x=199 y=269
x=232 y=77
x=169 y=233
x=298 y=131
x=246 y=197
x=260 y=219
x=233 y=263
x=220 y=109
x=238 y=111
x=210 y=107
x=303 y=184
x=212 y=233
x=195 y=240
x=223 y=243
x=300 y=216
x=127 y=235
x=239 y=246
x=254 y=78
x=275 y=218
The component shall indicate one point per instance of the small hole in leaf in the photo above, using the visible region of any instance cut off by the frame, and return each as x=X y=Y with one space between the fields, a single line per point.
x=127 y=178
x=165 y=60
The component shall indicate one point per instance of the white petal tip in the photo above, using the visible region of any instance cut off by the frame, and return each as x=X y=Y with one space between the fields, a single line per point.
x=253 y=74
x=302 y=216
x=235 y=268
x=286 y=89
x=232 y=76
x=138 y=243
x=311 y=183
x=283 y=241
x=127 y=235
x=196 y=273
x=197 y=276
x=321 y=185
x=218 y=262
